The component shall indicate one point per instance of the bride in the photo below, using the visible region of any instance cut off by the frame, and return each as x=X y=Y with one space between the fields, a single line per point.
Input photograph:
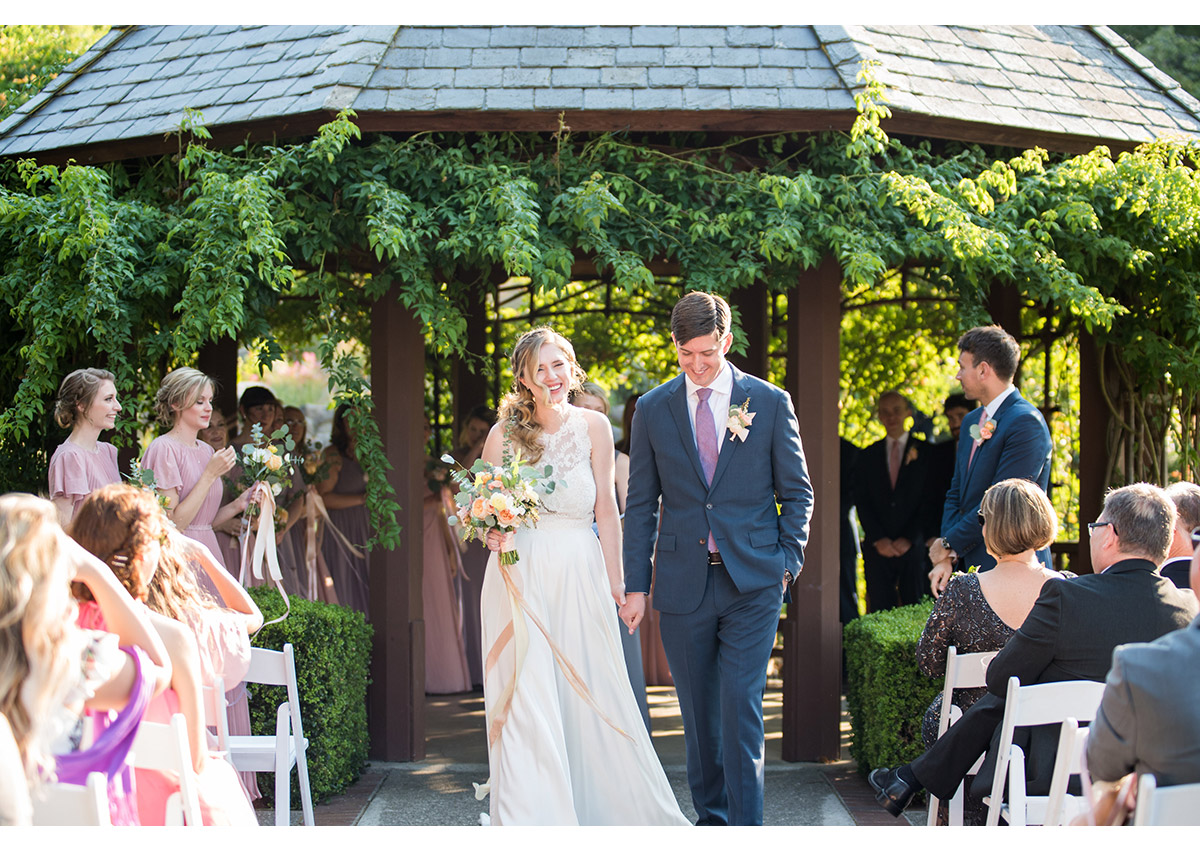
x=566 y=741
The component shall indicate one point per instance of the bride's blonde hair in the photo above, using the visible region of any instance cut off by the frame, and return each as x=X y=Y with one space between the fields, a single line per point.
x=519 y=407
x=36 y=619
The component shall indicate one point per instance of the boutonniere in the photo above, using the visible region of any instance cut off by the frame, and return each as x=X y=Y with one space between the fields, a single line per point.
x=740 y=418
x=981 y=433
x=911 y=456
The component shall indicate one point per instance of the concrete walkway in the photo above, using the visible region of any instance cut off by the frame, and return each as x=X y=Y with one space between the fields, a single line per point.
x=438 y=791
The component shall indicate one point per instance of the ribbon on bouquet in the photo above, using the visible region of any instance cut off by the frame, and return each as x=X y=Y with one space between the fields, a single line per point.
x=517 y=631
x=319 y=505
x=264 y=549
x=320 y=583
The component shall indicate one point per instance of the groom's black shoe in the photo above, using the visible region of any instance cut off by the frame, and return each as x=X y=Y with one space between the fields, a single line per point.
x=891 y=790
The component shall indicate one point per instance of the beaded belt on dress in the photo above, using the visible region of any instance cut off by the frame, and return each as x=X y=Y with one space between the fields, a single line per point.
x=198 y=529
x=557 y=521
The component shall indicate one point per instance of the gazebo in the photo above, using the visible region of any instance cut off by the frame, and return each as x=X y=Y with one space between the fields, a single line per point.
x=1063 y=88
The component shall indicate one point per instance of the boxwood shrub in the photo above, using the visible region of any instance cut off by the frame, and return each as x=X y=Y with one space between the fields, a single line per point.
x=332 y=645
x=885 y=692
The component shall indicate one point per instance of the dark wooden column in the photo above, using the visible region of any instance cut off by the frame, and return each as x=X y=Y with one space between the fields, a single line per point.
x=219 y=360
x=396 y=697
x=812 y=651
x=755 y=322
x=1093 y=446
x=471 y=388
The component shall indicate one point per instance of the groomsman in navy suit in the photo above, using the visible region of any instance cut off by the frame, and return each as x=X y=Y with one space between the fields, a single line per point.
x=1006 y=438
x=722 y=451
x=889 y=489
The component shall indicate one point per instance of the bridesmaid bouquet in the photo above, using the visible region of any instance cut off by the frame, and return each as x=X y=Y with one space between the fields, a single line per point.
x=503 y=498
x=268 y=463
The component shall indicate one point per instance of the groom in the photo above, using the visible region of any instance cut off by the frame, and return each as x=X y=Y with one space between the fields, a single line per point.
x=722 y=451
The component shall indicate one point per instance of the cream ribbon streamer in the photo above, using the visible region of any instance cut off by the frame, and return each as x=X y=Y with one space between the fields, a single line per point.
x=517 y=632
x=317 y=571
x=264 y=549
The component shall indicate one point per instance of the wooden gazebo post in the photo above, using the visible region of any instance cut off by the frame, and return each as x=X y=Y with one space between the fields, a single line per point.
x=813 y=639
x=396 y=696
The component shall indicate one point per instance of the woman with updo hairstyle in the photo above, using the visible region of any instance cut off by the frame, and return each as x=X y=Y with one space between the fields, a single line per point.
x=125 y=527
x=52 y=672
x=187 y=471
x=980 y=611
x=87 y=405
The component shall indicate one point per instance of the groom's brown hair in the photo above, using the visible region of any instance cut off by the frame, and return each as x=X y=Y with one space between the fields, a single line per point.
x=699 y=314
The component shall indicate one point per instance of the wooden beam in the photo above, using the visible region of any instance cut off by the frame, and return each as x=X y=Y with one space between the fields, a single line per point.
x=812 y=657
x=219 y=360
x=755 y=321
x=1093 y=447
x=396 y=697
x=749 y=122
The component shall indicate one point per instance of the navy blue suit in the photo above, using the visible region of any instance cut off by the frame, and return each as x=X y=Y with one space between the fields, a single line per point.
x=1018 y=449
x=718 y=622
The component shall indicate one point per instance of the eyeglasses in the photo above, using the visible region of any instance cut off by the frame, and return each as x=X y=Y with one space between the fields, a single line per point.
x=979 y=517
x=1196 y=537
x=1092 y=527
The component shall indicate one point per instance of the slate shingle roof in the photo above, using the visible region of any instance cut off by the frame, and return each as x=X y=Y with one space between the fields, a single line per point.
x=136 y=82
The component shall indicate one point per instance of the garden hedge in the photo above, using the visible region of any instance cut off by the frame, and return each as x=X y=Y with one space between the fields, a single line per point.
x=332 y=645
x=885 y=692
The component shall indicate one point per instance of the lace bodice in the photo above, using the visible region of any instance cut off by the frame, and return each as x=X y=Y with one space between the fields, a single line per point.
x=569 y=451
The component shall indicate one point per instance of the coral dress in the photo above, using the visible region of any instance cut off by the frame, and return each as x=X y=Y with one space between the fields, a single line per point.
x=446 y=669
x=564 y=749
x=75 y=472
x=178 y=466
x=224 y=651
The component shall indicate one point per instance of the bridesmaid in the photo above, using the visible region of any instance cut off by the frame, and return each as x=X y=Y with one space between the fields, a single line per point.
x=87 y=405
x=345 y=495
x=446 y=669
x=187 y=470
x=217 y=436
x=474 y=559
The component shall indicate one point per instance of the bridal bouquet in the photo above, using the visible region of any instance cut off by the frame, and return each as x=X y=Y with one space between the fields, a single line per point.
x=503 y=497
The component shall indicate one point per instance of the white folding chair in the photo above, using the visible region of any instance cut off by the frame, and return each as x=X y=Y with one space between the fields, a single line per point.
x=1170 y=805
x=164 y=747
x=968 y=670
x=69 y=805
x=1068 y=762
x=288 y=746
x=1030 y=706
x=216 y=712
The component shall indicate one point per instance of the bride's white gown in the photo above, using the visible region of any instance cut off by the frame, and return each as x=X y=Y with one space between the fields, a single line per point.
x=554 y=758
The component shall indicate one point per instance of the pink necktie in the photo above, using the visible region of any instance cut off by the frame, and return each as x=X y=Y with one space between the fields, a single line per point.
x=706 y=442
x=977 y=443
x=894 y=463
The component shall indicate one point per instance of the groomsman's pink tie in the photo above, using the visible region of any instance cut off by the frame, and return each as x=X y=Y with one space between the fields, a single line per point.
x=976 y=443
x=894 y=463
x=706 y=442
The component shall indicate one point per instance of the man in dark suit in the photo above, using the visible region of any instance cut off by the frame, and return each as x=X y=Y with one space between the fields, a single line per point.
x=1005 y=439
x=722 y=450
x=889 y=483
x=847 y=539
x=941 y=465
x=1069 y=634
x=1186 y=497
x=1149 y=717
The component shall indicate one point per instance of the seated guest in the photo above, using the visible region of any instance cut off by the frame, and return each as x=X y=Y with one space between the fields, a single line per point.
x=979 y=612
x=52 y=672
x=1149 y=717
x=1070 y=634
x=1186 y=497
x=125 y=527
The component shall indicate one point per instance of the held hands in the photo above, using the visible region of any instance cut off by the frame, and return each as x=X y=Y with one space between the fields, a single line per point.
x=886 y=548
x=495 y=539
x=633 y=610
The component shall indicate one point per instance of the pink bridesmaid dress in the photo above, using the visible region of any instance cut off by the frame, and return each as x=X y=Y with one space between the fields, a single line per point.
x=178 y=466
x=446 y=670
x=75 y=472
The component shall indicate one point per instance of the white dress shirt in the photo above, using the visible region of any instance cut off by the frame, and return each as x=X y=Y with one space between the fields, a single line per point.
x=991 y=407
x=718 y=401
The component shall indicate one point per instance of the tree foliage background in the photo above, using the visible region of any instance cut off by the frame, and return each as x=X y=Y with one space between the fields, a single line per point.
x=137 y=265
x=31 y=56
